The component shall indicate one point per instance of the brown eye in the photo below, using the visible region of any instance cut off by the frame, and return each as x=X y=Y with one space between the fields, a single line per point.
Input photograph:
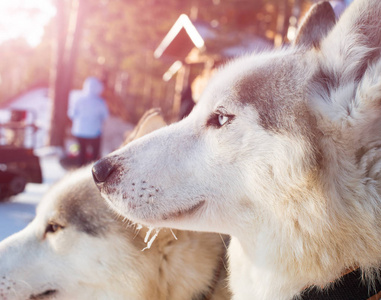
x=53 y=227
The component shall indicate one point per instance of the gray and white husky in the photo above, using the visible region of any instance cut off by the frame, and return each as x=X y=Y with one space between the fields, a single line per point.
x=78 y=249
x=283 y=152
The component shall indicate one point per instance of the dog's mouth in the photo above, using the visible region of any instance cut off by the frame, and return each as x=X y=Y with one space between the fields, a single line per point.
x=44 y=295
x=184 y=212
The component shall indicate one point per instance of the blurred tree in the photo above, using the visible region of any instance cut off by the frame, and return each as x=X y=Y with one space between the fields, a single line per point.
x=69 y=31
x=116 y=41
x=22 y=67
x=120 y=37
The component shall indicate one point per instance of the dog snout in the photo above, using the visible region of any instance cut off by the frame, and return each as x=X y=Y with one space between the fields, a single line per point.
x=102 y=169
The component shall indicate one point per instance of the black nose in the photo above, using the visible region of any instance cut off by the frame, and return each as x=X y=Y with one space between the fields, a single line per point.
x=102 y=169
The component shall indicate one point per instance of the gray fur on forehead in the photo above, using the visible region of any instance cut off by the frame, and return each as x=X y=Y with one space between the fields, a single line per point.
x=278 y=95
x=81 y=205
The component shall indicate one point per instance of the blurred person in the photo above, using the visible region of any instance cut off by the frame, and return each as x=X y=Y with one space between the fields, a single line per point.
x=88 y=111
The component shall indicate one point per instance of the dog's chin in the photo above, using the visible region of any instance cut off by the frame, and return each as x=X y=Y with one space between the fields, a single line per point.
x=138 y=213
x=113 y=205
x=183 y=213
x=48 y=294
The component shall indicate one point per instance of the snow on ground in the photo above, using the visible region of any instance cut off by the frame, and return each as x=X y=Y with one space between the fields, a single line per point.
x=20 y=210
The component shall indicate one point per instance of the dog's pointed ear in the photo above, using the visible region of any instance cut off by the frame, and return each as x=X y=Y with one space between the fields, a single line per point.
x=354 y=42
x=346 y=85
x=345 y=57
x=149 y=122
x=319 y=20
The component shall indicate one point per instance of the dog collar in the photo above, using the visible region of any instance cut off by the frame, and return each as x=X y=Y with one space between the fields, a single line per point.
x=351 y=286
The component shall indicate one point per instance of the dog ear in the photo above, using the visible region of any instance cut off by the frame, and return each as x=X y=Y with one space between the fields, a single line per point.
x=345 y=91
x=316 y=24
x=346 y=62
x=150 y=121
x=354 y=43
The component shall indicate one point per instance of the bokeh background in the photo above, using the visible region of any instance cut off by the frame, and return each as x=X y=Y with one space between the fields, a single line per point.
x=148 y=53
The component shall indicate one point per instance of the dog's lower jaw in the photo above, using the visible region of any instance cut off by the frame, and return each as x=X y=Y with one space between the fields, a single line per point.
x=143 y=213
x=48 y=294
x=183 y=212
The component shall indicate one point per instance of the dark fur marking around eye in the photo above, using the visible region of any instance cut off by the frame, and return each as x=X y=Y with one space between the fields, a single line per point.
x=84 y=224
x=255 y=90
x=213 y=121
x=269 y=91
x=52 y=228
x=84 y=218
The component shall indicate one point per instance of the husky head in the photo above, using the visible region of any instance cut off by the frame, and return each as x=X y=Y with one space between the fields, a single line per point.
x=70 y=250
x=277 y=138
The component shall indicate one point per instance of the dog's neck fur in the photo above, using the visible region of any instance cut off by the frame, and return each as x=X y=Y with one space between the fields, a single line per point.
x=168 y=258
x=316 y=252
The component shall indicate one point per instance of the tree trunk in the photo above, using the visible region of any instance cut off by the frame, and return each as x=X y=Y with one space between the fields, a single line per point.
x=68 y=42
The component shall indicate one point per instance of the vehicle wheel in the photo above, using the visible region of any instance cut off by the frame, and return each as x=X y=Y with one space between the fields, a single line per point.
x=17 y=185
x=4 y=195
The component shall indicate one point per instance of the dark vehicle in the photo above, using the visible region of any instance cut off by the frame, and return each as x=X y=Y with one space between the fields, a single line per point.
x=18 y=163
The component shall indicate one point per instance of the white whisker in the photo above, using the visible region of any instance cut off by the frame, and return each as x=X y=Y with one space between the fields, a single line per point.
x=149 y=244
x=173 y=234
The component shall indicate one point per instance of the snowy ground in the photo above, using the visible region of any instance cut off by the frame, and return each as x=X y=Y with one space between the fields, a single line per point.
x=20 y=210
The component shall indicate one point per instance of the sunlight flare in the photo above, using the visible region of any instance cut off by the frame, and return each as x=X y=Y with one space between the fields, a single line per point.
x=25 y=19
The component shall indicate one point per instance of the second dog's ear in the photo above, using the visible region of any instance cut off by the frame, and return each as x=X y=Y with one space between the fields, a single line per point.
x=319 y=20
x=150 y=121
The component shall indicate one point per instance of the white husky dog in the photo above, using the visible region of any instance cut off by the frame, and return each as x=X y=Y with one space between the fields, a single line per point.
x=78 y=249
x=283 y=152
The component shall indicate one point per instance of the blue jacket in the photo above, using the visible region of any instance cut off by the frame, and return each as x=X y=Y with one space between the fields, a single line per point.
x=88 y=110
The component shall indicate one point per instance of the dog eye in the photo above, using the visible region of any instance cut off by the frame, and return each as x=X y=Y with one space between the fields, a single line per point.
x=219 y=119
x=53 y=227
x=222 y=119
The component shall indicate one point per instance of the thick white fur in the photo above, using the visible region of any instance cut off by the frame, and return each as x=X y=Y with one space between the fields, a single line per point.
x=299 y=187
